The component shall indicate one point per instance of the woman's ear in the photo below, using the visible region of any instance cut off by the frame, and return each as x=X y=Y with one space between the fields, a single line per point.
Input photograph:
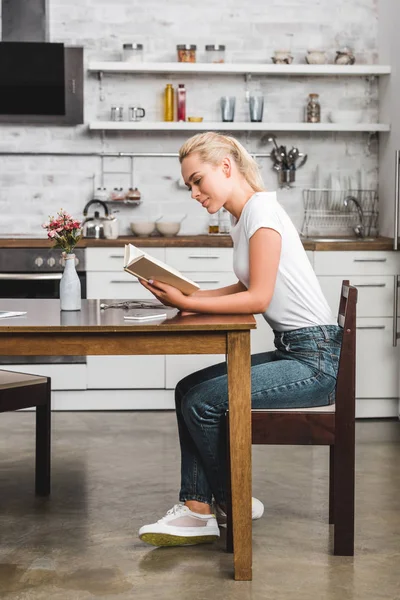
x=227 y=166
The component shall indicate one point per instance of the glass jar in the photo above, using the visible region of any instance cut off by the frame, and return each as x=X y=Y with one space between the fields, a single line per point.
x=224 y=221
x=313 y=113
x=215 y=53
x=186 y=53
x=213 y=224
x=132 y=52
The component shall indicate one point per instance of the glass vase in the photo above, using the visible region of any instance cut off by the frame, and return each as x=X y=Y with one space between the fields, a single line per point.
x=70 y=285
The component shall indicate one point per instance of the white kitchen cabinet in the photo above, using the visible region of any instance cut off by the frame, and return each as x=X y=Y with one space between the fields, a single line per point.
x=119 y=286
x=345 y=264
x=375 y=293
x=125 y=372
x=200 y=259
x=112 y=259
x=377 y=362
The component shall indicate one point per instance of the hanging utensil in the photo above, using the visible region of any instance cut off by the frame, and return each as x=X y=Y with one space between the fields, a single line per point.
x=302 y=162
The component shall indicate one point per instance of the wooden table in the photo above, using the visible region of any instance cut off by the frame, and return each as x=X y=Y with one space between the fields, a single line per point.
x=46 y=331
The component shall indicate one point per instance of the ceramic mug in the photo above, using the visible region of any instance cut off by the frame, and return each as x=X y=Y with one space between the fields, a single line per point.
x=136 y=113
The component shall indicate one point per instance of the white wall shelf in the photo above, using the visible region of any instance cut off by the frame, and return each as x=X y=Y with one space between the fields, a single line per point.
x=235 y=126
x=239 y=68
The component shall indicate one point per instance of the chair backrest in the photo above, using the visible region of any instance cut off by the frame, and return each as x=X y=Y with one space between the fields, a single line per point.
x=346 y=379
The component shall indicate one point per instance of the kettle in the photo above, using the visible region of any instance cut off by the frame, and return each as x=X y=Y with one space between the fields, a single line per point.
x=93 y=227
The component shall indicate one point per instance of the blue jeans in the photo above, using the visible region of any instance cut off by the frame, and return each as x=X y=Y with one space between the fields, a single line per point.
x=301 y=372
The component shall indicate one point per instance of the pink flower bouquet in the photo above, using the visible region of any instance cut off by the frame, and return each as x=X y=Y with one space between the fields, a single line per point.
x=64 y=231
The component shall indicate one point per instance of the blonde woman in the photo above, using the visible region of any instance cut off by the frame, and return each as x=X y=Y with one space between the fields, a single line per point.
x=275 y=278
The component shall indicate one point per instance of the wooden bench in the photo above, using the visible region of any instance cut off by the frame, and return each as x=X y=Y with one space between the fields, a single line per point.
x=332 y=426
x=21 y=390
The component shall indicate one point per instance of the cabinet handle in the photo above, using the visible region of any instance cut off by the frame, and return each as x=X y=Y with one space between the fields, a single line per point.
x=370 y=327
x=369 y=259
x=202 y=256
x=396 y=336
x=207 y=281
x=119 y=281
x=369 y=285
x=116 y=256
x=396 y=200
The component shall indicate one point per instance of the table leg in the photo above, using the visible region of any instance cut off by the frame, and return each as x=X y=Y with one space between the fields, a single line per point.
x=239 y=390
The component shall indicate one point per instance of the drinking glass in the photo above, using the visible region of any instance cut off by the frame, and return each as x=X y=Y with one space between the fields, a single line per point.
x=256 y=107
x=228 y=108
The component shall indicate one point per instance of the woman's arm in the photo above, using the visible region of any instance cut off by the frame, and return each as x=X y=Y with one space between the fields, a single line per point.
x=224 y=291
x=264 y=255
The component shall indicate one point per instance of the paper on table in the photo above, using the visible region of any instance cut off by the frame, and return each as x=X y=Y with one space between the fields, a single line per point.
x=145 y=316
x=5 y=314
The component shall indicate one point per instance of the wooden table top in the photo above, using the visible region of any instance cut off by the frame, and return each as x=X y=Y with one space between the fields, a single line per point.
x=46 y=316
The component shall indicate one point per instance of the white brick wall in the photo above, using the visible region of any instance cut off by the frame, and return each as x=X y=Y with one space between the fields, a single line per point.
x=31 y=188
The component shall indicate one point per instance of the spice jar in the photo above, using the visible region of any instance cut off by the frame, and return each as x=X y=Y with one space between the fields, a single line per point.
x=186 y=53
x=313 y=113
x=215 y=53
x=133 y=194
x=132 y=52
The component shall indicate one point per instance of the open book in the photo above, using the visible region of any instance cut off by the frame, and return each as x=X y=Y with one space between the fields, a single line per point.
x=139 y=263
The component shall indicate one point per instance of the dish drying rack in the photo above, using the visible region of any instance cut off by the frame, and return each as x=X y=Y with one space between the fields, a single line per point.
x=325 y=212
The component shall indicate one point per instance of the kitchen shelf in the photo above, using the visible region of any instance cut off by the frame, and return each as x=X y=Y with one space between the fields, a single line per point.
x=238 y=68
x=235 y=126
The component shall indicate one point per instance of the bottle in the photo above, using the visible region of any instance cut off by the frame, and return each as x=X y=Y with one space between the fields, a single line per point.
x=181 y=94
x=313 y=109
x=169 y=103
x=224 y=222
x=213 y=226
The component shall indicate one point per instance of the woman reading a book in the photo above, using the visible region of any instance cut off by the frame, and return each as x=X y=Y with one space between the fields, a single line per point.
x=275 y=278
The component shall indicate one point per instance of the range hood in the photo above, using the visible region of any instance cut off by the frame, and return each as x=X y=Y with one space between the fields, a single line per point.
x=40 y=82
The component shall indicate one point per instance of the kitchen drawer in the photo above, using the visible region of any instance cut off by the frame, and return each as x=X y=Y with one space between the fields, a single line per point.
x=375 y=294
x=209 y=281
x=200 y=259
x=63 y=377
x=116 y=286
x=125 y=372
x=351 y=263
x=112 y=259
x=377 y=361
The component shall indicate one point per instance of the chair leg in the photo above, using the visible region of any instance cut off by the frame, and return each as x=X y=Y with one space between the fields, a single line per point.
x=229 y=525
x=43 y=445
x=343 y=501
x=331 y=484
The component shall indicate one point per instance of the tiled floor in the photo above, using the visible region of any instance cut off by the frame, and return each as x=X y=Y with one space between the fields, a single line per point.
x=113 y=472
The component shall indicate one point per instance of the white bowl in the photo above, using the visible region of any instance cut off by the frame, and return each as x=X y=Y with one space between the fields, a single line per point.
x=142 y=228
x=345 y=116
x=168 y=227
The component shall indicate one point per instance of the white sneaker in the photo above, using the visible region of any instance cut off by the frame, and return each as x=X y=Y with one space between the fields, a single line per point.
x=257 y=511
x=181 y=527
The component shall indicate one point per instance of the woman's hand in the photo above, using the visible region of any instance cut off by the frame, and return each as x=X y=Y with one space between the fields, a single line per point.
x=167 y=294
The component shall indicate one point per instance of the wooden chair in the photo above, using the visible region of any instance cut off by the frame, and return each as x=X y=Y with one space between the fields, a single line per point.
x=20 y=390
x=332 y=426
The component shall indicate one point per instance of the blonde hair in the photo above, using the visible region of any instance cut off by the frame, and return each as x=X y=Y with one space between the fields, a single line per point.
x=213 y=147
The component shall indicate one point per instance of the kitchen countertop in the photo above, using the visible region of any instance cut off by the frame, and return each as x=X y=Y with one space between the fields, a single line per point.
x=191 y=241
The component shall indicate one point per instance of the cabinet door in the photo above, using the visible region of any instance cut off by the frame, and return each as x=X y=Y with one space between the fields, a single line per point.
x=375 y=293
x=377 y=364
x=125 y=372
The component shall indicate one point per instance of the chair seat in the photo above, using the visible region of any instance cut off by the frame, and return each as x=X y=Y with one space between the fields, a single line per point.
x=330 y=408
x=11 y=379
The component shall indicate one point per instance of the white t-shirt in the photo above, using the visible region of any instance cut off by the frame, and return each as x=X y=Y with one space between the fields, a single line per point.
x=298 y=300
